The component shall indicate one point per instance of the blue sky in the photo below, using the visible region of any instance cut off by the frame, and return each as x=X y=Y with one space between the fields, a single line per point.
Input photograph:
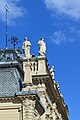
x=59 y=22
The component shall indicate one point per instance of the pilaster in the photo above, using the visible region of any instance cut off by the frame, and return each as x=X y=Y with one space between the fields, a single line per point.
x=42 y=92
x=27 y=72
x=42 y=65
x=28 y=109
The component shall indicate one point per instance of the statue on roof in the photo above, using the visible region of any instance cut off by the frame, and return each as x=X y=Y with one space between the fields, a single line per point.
x=42 y=47
x=26 y=47
x=52 y=71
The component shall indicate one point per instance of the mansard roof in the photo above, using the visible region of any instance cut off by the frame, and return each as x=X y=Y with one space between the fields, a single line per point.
x=10 y=72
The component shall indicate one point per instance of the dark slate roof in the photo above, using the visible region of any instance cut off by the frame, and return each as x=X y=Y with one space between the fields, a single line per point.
x=10 y=82
x=10 y=72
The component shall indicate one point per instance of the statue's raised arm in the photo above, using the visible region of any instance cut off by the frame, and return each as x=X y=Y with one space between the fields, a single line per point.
x=42 y=47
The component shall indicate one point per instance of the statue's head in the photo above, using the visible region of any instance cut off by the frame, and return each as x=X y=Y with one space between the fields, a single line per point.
x=53 y=67
x=42 y=38
x=25 y=39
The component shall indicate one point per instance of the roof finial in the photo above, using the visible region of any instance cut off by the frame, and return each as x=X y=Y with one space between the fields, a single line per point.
x=7 y=10
x=14 y=40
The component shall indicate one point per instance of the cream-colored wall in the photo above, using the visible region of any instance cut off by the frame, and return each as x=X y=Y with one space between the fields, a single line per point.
x=9 y=111
x=11 y=114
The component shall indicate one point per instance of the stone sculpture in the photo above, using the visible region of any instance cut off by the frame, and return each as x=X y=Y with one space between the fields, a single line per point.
x=42 y=47
x=26 y=47
x=52 y=71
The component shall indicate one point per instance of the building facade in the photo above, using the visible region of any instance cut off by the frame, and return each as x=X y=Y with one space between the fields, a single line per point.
x=28 y=90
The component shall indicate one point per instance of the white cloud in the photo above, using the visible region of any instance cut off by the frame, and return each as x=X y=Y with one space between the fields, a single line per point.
x=58 y=37
x=68 y=7
x=15 y=11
